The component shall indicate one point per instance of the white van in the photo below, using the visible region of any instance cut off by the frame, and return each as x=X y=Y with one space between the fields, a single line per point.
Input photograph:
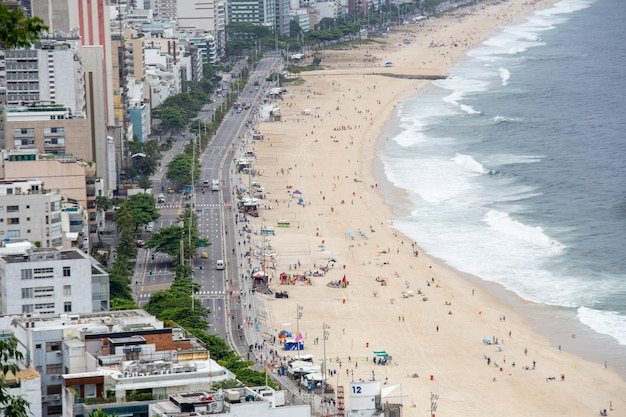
x=215 y=185
x=219 y=264
x=150 y=227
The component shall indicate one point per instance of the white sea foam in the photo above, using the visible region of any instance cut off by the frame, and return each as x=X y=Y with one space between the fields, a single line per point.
x=534 y=235
x=505 y=74
x=470 y=164
x=511 y=159
x=606 y=322
x=504 y=119
x=565 y=7
x=475 y=222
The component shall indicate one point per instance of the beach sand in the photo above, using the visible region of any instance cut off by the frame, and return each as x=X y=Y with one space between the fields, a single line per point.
x=329 y=155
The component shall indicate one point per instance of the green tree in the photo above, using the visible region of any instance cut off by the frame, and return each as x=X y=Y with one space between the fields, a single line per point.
x=175 y=304
x=179 y=169
x=122 y=304
x=172 y=119
x=14 y=406
x=144 y=183
x=142 y=208
x=123 y=218
x=294 y=29
x=168 y=239
x=18 y=30
x=103 y=203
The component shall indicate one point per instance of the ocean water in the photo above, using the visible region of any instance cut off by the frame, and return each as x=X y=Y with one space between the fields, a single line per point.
x=516 y=164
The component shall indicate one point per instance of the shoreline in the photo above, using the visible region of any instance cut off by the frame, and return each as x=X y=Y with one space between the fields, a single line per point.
x=366 y=316
x=549 y=321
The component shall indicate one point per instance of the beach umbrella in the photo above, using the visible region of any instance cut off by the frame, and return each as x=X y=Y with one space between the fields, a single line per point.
x=284 y=334
x=297 y=192
x=259 y=274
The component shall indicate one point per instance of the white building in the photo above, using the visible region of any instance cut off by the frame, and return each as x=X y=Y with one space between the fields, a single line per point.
x=119 y=361
x=48 y=282
x=30 y=213
x=206 y=16
x=240 y=402
x=52 y=73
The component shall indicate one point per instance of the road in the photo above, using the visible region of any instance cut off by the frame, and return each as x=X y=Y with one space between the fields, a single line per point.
x=220 y=290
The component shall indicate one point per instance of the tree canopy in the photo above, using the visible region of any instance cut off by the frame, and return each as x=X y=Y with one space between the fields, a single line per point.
x=179 y=169
x=142 y=208
x=168 y=239
x=18 y=30
x=14 y=405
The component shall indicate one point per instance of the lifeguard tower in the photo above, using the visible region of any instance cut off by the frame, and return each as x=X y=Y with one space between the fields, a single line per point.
x=365 y=401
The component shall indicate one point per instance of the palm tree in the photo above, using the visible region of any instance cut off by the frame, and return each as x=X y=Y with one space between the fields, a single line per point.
x=145 y=183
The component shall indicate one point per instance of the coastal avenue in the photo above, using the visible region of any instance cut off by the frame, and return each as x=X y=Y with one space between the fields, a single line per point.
x=215 y=218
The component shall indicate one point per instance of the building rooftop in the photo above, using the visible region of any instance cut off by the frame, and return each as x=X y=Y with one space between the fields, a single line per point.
x=43 y=255
x=88 y=322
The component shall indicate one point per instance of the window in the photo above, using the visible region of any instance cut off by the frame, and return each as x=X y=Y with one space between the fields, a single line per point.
x=13 y=209
x=27 y=293
x=44 y=292
x=53 y=346
x=90 y=390
x=27 y=274
x=27 y=308
x=49 y=130
x=54 y=410
x=55 y=218
x=38 y=346
x=54 y=141
x=13 y=233
x=45 y=308
x=13 y=220
x=43 y=273
x=67 y=271
x=67 y=290
x=55 y=206
x=55 y=231
x=54 y=369
x=67 y=307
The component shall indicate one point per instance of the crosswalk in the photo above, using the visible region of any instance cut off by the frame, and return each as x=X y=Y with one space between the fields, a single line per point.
x=177 y=206
x=199 y=294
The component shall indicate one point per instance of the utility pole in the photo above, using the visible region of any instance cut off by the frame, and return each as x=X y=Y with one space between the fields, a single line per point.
x=326 y=333
x=298 y=317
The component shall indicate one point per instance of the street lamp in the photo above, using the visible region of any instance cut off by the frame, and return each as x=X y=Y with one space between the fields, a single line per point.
x=326 y=333
x=298 y=317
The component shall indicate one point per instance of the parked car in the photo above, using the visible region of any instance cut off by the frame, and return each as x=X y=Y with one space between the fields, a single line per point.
x=281 y=294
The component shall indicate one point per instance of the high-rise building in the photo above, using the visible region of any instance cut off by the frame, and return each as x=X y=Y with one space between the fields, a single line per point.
x=89 y=19
x=52 y=73
x=204 y=16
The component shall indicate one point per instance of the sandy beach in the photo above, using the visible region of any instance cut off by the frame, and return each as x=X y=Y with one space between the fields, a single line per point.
x=427 y=316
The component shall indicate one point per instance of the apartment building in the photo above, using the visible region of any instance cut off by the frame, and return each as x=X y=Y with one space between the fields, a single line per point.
x=28 y=212
x=119 y=361
x=48 y=281
x=75 y=179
